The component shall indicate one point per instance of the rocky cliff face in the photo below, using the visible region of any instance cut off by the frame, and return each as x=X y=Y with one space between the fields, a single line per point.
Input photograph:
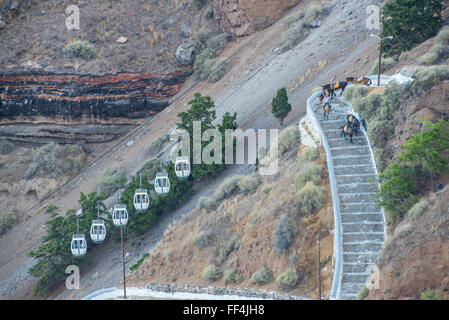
x=83 y=96
x=243 y=17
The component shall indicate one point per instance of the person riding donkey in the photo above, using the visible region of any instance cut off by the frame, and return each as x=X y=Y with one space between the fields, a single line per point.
x=353 y=123
x=347 y=131
x=327 y=107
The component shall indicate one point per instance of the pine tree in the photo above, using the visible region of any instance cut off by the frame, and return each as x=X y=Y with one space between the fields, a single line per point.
x=280 y=105
x=410 y=22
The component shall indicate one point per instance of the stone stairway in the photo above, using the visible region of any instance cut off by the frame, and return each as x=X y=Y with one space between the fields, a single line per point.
x=362 y=223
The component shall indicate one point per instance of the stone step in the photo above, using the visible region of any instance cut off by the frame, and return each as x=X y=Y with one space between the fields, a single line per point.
x=355 y=178
x=350 y=288
x=362 y=258
x=358 y=207
x=346 y=198
x=371 y=247
x=362 y=227
x=357 y=188
x=334 y=124
x=357 y=267
x=342 y=143
x=348 y=297
x=352 y=160
x=356 y=150
x=354 y=170
x=355 y=277
x=363 y=236
x=346 y=218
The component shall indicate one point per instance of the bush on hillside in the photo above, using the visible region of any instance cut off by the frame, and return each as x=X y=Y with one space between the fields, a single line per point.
x=203 y=239
x=7 y=221
x=218 y=70
x=387 y=64
x=288 y=279
x=199 y=4
x=417 y=210
x=293 y=36
x=206 y=203
x=309 y=172
x=111 y=180
x=283 y=233
x=231 y=276
x=262 y=276
x=248 y=184
x=231 y=245
x=54 y=160
x=211 y=273
x=286 y=140
x=310 y=198
x=427 y=77
x=440 y=48
x=355 y=92
x=80 y=49
x=309 y=154
x=227 y=188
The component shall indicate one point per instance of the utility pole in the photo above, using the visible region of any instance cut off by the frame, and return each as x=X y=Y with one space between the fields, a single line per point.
x=319 y=267
x=381 y=18
x=123 y=261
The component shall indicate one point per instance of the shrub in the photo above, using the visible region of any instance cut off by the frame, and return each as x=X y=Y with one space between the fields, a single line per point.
x=367 y=106
x=262 y=276
x=156 y=145
x=55 y=160
x=291 y=20
x=310 y=154
x=7 y=221
x=218 y=70
x=417 y=210
x=387 y=63
x=283 y=233
x=430 y=294
x=231 y=276
x=223 y=252
x=209 y=14
x=248 y=184
x=287 y=139
x=138 y=263
x=288 y=279
x=227 y=188
x=211 y=273
x=206 y=203
x=81 y=49
x=427 y=77
x=355 y=92
x=150 y=169
x=403 y=230
x=310 y=172
x=208 y=48
x=200 y=38
x=440 y=48
x=111 y=181
x=293 y=36
x=310 y=198
x=203 y=239
x=363 y=293
x=313 y=13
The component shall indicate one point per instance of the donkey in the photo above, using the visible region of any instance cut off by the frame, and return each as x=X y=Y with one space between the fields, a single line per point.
x=359 y=80
x=353 y=123
x=347 y=131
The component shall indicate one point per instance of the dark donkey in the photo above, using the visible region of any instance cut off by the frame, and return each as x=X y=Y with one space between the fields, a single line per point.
x=353 y=123
x=335 y=86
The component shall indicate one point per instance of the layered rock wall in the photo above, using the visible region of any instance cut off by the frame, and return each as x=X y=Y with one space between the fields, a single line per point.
x=78 y=96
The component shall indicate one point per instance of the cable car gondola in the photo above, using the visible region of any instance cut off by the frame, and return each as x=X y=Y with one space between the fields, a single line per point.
x=182 y=167
x=141 y=199
x=162 y=183
x=120 y=215
x=79 y=245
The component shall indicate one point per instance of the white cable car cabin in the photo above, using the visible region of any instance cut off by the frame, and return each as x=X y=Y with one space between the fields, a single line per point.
x=141 y=200
x=120 y=215
x=79 y=245
x=98 y=231
x=162 y=183
x=182 y=167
